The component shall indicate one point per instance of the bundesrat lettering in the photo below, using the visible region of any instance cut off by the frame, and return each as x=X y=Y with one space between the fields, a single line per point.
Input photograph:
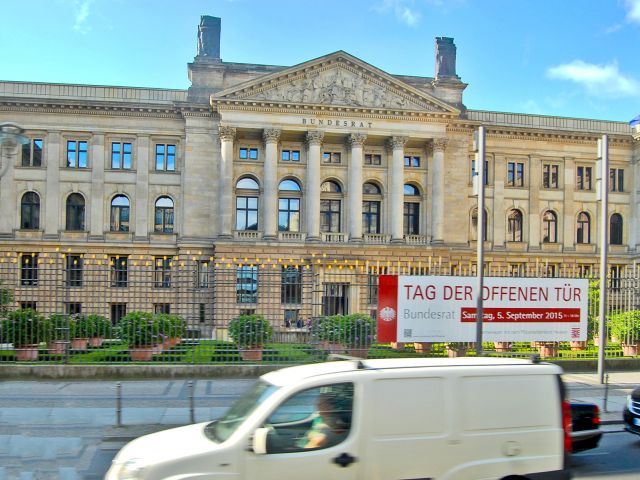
x=496 y=293
x=320 y=122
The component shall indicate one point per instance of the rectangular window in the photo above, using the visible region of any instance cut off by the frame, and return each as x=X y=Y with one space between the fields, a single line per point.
x=32 y=153
x=370 y=217
x=73 y=271
x=616 y=180
x=29 y=269
x=335 y=298
x=201 y=312
x=372 y=288
x=330 y=216
x=486 y=171
x=583 y=178
x=73 y=308
x=246 y=213
x=515 y=174
x=165 y=157
x=248 y=153
x=516 y=269
x=247 y=284
x=76 y=154
x=162 y=272
x=615 y=275
x=331 y=157
x=372 y=159
x=551 y=270
x=411 y=161
x=584 y=271
x=121 y=156
x=411 y=224
x=118 y=310
x=29 y=304
x=162 y=308
x=119 y=271
x=204 y=271
x=292 y=319
x=291 y=285
x=549 y=175
x=290 y=155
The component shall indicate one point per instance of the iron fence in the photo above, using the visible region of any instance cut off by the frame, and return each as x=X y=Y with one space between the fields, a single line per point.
x=78 y=310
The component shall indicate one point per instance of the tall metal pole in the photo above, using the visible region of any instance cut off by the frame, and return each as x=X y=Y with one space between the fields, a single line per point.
x=603 y=153
x=480 y=240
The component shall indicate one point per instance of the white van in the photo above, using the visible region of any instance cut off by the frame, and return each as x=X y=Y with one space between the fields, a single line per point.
x=419 y=419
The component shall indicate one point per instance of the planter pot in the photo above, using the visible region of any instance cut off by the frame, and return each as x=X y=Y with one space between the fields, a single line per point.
x=547 y=350
x=397 y=345
x=453 y=352
x=141 y=354
x=96 y=342
x=251 y=354
x=175 y=341
x=358 y=352
x=422 y=347
x=577 y=346
x=79 y=344
x=630 y=349
x=157 y=349
x=27 y=353
x=58 y=347
x=596 y=341
x=503 y=346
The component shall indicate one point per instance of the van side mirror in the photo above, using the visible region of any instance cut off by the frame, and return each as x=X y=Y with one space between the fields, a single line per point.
x=260 y=440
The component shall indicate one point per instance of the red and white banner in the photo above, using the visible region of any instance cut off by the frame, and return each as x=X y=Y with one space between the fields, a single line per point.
x=443 y=309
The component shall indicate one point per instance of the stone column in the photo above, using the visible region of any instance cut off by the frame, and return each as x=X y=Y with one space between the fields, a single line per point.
x=226 y=135
x=396 y=174
x=50 y=215
x=314 y=142
x=437 y=202
x=270 y=137
x=142 y=213
x=356 y=142
x=96 y=219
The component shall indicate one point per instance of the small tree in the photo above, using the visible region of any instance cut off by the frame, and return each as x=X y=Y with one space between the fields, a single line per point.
x=25 y=327
x=138 y=329
x=250 y=331
x=6 y=298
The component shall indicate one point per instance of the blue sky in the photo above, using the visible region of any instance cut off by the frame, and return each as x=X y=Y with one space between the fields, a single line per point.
x=574 y=58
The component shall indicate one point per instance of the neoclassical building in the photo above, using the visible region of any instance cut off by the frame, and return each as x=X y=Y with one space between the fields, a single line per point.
x=329 y=162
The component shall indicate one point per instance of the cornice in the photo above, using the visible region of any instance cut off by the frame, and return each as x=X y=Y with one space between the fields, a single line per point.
x=168 y=111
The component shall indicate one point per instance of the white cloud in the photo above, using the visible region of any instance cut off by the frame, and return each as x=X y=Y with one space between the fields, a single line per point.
x=633 y=15
x=598 y=80
x=82 y=10
x=402 y=9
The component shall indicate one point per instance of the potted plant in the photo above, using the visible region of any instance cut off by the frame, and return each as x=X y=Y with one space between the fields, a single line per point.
x=101 y=329
x=59 y=339
x=456 y=349
x=503 y=346
x=81 y=330
x=422 y=347
x=357 y=332
x=171 y=328
x=626 y=327
x=25 y=329
x=250 y=333
x=140 y=331
x=547 y=349
x=327 y=331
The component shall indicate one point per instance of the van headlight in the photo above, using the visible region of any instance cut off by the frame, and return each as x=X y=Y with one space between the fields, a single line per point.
x=129 y=470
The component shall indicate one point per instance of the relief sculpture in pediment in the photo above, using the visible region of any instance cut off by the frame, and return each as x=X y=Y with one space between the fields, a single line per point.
x=336 y=87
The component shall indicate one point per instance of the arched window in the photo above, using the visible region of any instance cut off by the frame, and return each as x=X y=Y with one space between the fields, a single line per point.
x=372 y=199
x=411 y=224
x=474 y=225
x=75 y=212
x=30 y=211
x=583 y=233
x=514 y=227
x=247 y=192
x=289 y=206
x=549 y=227
x=330 y=206
x=615 y=229
x=164 y=215
x=119 y=214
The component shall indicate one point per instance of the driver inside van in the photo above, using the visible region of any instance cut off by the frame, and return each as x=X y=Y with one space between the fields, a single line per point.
x=330 y=425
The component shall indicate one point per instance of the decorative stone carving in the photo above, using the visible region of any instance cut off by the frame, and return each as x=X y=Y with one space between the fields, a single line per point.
x=209 y=37
x=396 y=143
x=315 y=137
x=271 y=135
x=227 y=133
x=356 y=140
x=439 y=144
x=337 y=86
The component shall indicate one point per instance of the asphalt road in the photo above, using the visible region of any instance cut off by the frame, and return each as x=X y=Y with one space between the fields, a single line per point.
x=616 y=458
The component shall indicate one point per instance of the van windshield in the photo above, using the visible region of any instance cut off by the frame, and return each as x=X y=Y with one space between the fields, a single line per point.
x=222 y=429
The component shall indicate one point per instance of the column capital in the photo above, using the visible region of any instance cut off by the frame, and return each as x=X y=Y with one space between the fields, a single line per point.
x=226 y=133
x=271 y=135
x=396 y=143
x=439 y=144
x=356 y=139
x=314 y=137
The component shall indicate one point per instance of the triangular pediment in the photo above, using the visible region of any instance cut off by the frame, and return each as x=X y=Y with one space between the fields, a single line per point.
x=336 y=80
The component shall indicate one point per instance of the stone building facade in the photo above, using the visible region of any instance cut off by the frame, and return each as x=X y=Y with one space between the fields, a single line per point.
x=329 y=162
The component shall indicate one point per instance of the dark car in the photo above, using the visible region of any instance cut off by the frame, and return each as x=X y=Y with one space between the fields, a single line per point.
x=631 y=414
x=585 y=426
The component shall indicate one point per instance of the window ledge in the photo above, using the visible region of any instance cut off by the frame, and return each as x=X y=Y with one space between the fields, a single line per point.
x=331 y=237
x=247 y=234
x=118 y=236
x=585 y=247
x=160 y=237
x=618 y=248
x=516 y=246
x=551 y=247
x=74 y=235
x=292 y=236
x=376 y=238
x=415 y=239
x=28 y=234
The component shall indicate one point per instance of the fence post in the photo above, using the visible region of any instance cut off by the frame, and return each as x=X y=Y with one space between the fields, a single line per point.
x=119 y=404
x=606 y=392
x=192 y=413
